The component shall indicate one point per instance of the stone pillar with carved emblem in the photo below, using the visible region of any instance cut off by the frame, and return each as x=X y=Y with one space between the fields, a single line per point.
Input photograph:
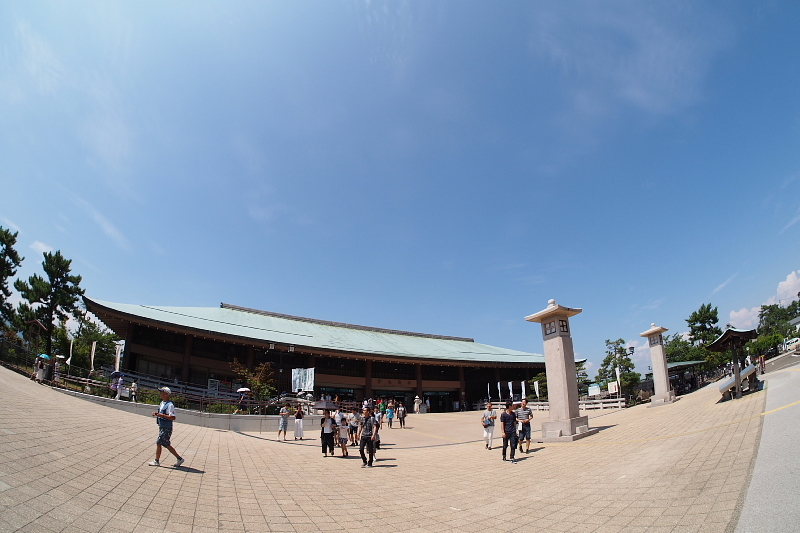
x=565 y=424
x=658 y=359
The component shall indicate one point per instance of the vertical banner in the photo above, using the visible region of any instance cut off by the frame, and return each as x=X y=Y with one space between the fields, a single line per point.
x=499 y=394
x=119 y=353
x=536 y=388
x=91 y=357
x=510 y=391
x=69 y=361
x=619 y=381
x=524 y=394
x=488 y=392
x=302 y=379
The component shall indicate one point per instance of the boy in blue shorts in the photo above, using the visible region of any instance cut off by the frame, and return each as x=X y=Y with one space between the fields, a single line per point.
x=164 y=417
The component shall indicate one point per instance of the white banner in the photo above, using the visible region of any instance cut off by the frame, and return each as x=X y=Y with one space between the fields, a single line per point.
x=510 y=391
x=91 y=358
x=524 y=395
x=499 y=394
x=536 y=388
x=119 y=353
x=303 y=379
x=488 y=391
x=69 y=361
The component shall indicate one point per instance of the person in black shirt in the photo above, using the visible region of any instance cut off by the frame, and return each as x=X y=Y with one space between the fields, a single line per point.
x=508 y=421
x=368 y=430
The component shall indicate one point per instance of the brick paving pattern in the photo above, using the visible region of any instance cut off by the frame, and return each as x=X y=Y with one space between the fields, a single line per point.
x=67 y=465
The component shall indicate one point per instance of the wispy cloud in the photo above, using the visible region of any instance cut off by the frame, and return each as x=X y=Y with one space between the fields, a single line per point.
x=724 y=284
x=10 y=225
x=41 y=247
x=108 y=228
x=791 y=223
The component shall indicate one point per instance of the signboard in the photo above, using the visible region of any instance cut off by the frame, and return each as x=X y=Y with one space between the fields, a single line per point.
x=612 y=387
x=303 y=379
x=594 y=390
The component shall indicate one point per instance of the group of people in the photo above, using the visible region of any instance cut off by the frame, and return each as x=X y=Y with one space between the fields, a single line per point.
x=516 y=426
x=388 y=411
x=341 y=429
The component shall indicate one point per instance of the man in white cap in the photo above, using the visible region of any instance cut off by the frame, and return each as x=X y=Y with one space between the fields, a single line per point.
x=164 y=417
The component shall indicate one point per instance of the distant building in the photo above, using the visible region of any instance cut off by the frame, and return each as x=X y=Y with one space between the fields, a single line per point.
x=197 y=344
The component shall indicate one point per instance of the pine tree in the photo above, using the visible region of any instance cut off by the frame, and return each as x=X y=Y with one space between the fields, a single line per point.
x=10 y=260
x=55 y=298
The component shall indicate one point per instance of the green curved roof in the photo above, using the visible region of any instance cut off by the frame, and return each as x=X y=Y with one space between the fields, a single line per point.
x=269 y=327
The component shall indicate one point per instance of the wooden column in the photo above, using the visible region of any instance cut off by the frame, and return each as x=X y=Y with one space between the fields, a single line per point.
x=187 y=353
x=251 y=357
x=368 y=378
x=127 y=357
x=462 y=389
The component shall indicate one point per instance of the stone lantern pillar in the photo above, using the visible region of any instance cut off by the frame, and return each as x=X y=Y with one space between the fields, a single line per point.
x=565 y=424
x=663 y=392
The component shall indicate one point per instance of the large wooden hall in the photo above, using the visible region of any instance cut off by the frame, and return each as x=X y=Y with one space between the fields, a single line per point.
x=197 y=344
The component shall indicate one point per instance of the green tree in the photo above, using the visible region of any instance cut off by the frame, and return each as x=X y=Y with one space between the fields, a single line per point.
x=617 y=357
x=702 y=325
x=542 y=380
x=774 y=319
x=10 y=260
x=82 y=338
x=261 y=380
x=677 y=348
x=55 y=298
x=583 y=378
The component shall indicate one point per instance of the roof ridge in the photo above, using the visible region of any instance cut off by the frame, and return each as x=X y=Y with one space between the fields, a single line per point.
x=343 y=324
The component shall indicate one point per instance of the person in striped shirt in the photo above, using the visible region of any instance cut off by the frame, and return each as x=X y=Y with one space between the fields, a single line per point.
x=524 y=416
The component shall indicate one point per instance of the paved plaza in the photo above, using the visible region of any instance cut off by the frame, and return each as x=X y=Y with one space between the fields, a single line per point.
x=74 y=466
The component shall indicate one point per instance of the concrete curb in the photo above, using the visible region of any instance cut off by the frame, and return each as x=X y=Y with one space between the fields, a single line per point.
x=240 y=423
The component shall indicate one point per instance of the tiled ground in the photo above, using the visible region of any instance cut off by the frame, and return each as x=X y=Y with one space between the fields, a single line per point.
x=70 y=465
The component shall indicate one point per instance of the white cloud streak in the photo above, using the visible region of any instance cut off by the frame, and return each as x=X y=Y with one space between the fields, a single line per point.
x=724 y=284
x=108 y=228
x=10 y=225
x=41 y=247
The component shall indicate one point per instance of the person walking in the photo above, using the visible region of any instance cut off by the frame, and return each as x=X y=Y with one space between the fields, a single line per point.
x=326 y=434
x=488 y=418
x=343 y=436
x=134 y=390
x=508 y=421
x=417 y=404
x=390 y=414
x=367 y=431
x=165 y=416
x=524 y=417
x=298 y=423
x=401 y=415
x=241 y=405
x=353 y=420
x=284 y=422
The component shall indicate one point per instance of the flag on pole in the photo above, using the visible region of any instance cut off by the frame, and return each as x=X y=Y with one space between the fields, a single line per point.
x=488 y=391
x=499 y=394
x=91 y=357
x=510 y=391
x=619 y=381
x=69 y=361
x=523 y=391
x=119 y=352
x=536 y=388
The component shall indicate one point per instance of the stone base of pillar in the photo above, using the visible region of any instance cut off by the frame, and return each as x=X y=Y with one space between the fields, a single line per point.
x=662 y=399
x=566 y=430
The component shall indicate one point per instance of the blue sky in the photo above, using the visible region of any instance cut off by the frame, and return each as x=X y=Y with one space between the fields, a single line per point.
x=440 y=167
